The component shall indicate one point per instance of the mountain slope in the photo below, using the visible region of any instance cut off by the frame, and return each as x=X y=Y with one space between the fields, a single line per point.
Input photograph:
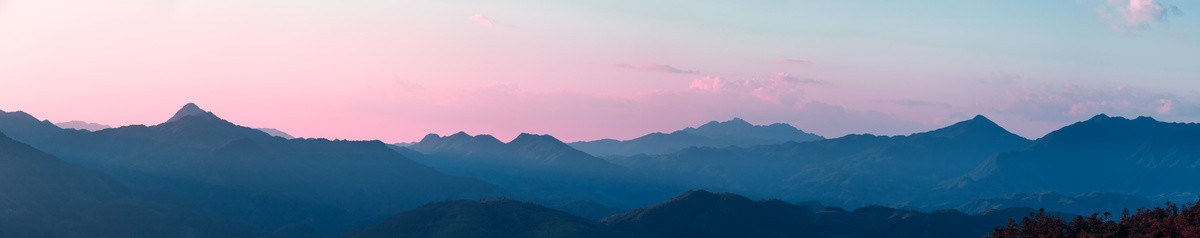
x=736 y=132
x=538 y=168
x=854 y=170
x=691 y=214
x=491 y=218
x=43 y=196
x=705 y=214
x=246 y=175
x=23 y=127
x=1140 y=156
x=588 y=209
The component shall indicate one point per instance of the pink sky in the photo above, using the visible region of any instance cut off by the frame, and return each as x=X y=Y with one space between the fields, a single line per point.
x=395 y=71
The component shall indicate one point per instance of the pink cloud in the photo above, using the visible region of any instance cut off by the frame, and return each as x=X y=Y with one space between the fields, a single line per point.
x=792 y=61
x=1135 y=14
x=654 y=67
x=1166 y=107
x=483 y=20
x=1071 y=102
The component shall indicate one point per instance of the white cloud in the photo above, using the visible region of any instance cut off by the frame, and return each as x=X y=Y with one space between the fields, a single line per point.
x=483 y=20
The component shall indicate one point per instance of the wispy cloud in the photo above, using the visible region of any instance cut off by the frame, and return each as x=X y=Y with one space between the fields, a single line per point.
x=483 y=20
x=1136 y=14
x=792 y=61
x=654 y=67
x=789 y=78
x=916 y=103
x=1071 y=102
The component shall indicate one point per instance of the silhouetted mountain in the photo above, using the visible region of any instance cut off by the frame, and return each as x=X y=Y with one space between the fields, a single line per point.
x=853 y=170
x=82 y=125
x=704 y=214
x=276 y=132
x=42 y=196
x=1113 y=154
x=692 y=214
x=491 y=218
x=191 y=110
x=23 y=127
x=539 y=168
x=743 y=133
x=246 y=175
x=1087 y=203
x=588 y=209
x=736 y=132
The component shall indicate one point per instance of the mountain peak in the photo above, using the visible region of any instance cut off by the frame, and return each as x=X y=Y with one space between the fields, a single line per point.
x=192 y=110
x=976 y=126
x=526 y=138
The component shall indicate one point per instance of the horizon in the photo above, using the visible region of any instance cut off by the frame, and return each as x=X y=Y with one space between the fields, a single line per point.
x=585 y=71
x=509 y=138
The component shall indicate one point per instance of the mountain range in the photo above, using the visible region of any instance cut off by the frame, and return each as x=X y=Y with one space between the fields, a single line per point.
x=853 y=170
x=245 y=175
x=1140 y=156
x=539 y=168
x=199 y=175
x=736 y=132
x=691 y=214
x=82 y=125
x=1088 y=203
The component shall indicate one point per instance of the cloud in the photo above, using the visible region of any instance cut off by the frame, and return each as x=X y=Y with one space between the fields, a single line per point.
x=654 y=67
x=483 y=20
x=916 y=103
x=789 y=78
x=1069 y=103
x=1135 y=14
x=792 y=61
x=780 y=88
x=407 y=85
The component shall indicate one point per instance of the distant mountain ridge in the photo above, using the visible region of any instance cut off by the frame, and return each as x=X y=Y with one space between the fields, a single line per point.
x=276 y=132
x=82 y=125
x=539 y=168
x=735 y=132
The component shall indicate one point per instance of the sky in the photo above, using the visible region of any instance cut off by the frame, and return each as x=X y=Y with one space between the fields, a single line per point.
x=586 y=70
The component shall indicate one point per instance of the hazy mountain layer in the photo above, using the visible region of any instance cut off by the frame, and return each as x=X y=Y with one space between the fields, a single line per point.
x=246 y=175
x=42 y=196
x=25 y=128
x=692 y=214
x=490 y=218
x=736 y=132
x=854 y=170
x=1084 y=204
x=82 y=125
x=539 y=168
